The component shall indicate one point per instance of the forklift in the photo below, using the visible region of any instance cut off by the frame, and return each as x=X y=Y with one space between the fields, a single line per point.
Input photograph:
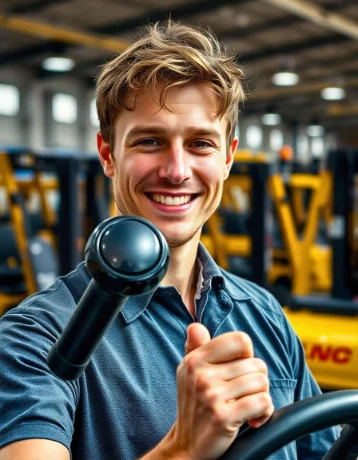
x=28 y=261
x=328 y=327
x=327 y=324
x=35 y=248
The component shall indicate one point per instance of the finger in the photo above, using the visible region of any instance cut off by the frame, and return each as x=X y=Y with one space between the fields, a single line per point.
x=251 y=407
x=197 y=335
x=228 y=347
x=257 y=422
x=245 y=385
x=233 y=369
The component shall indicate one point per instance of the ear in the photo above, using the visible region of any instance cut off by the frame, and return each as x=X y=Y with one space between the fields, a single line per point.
x=105 y=156
x=230 y=156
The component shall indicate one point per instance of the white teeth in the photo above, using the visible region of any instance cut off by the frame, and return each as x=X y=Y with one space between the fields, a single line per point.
x=170 y=201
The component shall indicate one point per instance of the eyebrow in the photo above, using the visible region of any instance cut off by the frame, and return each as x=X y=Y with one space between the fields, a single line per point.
x=141 y=130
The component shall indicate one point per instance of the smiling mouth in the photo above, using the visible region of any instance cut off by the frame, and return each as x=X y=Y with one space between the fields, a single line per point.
x=171 y=200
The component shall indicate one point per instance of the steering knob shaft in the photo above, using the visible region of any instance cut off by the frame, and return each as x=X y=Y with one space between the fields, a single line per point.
x=125 y=256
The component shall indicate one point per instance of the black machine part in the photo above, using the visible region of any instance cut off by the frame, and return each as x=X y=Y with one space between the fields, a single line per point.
x=299 y=419
x=126 y=256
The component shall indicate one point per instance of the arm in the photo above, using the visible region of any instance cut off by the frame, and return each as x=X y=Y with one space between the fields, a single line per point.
x=34 y=449
x=220 y=386
x=34 y=403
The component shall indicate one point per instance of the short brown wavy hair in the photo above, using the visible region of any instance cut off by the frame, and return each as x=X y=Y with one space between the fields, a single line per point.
x=175 y=55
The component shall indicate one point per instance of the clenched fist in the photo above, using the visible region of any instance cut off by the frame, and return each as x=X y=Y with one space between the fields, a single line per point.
x=221 y=385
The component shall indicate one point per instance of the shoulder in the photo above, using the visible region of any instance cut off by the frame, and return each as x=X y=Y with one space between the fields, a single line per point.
x=52 y=307
x=241 y=289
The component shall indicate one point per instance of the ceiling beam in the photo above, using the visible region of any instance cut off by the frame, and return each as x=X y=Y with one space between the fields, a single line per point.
x=286 y=21
x=266 y=52
x=303 y=45
x=319 y=15
x=250 y=31
x=59 y=34
x=152 y=16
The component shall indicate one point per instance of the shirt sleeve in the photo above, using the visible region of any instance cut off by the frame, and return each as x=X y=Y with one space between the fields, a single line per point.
x=315 y=445
x=34 y=403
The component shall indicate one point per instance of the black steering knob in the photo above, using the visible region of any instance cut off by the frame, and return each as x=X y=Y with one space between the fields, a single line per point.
x=126 y=256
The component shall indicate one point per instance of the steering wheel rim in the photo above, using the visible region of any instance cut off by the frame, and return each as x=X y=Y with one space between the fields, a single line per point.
x=294 y=421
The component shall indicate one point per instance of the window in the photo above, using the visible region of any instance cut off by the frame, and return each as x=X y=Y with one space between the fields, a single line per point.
x=276 y=140
x=9 y=100
x=302 y=145
x=254 y=136
x=93 y=114
x=317 y=146
x=64 y=108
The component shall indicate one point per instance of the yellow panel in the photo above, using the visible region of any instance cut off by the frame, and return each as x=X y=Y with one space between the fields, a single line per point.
x=331 y=346
x=303 y=181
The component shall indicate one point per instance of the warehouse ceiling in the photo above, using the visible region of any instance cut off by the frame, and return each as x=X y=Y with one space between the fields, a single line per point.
x=316 y=39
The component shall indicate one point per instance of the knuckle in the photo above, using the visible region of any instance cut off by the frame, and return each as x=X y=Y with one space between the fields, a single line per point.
x=201 y=382
x=218 y=418
x=212 y=396
x=265 y=401
x=261 y=365
x=246 y=405
x=263 y=381
x=190 y=363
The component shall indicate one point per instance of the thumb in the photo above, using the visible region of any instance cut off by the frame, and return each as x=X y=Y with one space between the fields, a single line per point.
x=197 y=335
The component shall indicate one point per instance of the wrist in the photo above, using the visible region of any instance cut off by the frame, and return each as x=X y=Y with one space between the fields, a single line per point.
x=168 y=449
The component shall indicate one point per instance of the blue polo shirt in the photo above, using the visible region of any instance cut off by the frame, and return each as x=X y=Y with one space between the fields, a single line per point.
x=125 y=402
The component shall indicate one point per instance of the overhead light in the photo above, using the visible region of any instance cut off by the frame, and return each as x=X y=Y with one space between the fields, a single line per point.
x=285 y=78
x=271 y=119
x=315 y=130
x=58 y=64
x=242 y=20
x=333 y=93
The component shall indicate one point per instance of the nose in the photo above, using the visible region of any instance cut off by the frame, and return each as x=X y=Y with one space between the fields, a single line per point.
x=175 y=165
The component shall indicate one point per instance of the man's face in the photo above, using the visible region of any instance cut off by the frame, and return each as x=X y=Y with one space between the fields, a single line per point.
x=169 y=167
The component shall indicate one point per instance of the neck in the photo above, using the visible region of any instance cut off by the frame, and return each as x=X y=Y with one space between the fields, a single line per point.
x=182 y=272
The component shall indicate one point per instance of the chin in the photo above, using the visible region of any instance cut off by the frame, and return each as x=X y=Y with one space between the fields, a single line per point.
x=176 y=239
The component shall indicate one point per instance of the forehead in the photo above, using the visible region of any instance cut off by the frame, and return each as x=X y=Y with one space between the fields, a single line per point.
x=193 y=104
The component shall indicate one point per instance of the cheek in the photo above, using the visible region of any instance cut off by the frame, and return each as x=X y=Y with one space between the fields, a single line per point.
x=212 y=173
x=131 y=171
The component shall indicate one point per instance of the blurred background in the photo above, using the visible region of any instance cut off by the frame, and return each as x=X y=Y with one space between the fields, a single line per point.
x=289 y=215
x=299 y=58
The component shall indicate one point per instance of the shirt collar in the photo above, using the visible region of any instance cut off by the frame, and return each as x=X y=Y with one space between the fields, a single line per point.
x=210 y=275
x=213 y=275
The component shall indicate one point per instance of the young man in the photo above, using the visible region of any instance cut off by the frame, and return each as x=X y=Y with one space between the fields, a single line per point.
x=182 y=368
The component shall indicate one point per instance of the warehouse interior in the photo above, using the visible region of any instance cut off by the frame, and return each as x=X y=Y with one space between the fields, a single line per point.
x=288 y=215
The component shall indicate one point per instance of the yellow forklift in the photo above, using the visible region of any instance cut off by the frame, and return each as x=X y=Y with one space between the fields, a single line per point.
x=327 y=323
x=329 y=333
x=35 y=249
x=28 y=261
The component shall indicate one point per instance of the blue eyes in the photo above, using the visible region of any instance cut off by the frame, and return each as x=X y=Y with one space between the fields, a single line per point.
x=201 y=144
x=154 y=143
x=148 y=142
